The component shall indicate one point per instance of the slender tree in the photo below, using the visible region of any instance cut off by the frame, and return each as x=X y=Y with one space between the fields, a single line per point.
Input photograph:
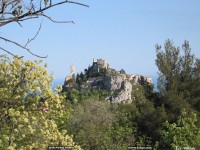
x=179 y=78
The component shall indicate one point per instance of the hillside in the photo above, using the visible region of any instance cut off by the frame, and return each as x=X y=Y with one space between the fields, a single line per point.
x=101 y=77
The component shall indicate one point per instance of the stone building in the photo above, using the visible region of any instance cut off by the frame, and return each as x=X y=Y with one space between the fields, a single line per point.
x=138 y=79
x=72 y=74
x=100 y=63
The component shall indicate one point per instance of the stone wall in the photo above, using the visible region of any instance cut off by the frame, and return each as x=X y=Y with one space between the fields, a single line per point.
x=101 y=63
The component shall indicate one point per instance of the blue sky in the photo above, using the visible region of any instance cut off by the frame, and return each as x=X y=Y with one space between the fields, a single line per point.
x=122 y=32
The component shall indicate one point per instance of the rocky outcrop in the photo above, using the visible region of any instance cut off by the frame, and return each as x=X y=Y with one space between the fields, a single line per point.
x=113 y=82
x=119 y=87
x=100 y=76
x=124 y=95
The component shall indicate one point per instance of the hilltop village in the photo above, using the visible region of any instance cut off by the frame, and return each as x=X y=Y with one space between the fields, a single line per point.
x=101 y=76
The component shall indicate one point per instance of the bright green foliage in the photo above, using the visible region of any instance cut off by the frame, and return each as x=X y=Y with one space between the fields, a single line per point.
x=182 y=133
x=28 y=107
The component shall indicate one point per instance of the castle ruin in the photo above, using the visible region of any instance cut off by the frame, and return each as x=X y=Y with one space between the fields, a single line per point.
x=72 y=74
x=101 y=63
x=138 y=78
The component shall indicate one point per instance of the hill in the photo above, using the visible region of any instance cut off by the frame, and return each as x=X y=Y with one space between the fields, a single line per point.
x=100 y=76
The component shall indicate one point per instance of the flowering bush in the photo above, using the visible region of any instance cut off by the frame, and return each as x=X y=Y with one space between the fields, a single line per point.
x=28 y=107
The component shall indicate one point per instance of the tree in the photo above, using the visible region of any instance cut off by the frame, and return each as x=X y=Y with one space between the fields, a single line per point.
x=17 y=11
x=168 y=62
x=29 y=108
x=179 y=78
x=73 y=95
x=148 y=115
x=149 y=122
x=90 y=124
x=182 y=133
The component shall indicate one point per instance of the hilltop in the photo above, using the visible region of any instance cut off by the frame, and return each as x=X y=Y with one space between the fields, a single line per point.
x=101 y=77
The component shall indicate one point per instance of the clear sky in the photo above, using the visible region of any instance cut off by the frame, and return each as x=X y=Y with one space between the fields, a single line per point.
x=124 y=32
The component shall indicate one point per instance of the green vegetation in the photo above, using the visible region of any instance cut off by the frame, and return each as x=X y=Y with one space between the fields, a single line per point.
x=184 y=132
x=32 y=116
x=29 y=108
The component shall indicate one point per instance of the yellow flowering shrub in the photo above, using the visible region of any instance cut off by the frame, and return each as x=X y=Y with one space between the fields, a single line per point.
x=28 y=107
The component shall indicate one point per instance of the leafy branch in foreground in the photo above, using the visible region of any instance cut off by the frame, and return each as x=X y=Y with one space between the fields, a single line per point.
x=29 y=107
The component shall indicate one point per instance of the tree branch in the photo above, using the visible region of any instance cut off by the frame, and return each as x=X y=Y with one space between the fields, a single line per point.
x=7 y=51
x=29 y=41
x=19 y=11
x=23 y=47
x=30 y=14
x=57 y=21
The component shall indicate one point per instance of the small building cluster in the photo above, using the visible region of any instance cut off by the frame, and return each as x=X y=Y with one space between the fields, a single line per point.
x=138 y=79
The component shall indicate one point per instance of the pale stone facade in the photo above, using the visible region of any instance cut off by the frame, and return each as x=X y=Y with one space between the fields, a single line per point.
x=102 y=63
x=137 y=79
x=72 y=73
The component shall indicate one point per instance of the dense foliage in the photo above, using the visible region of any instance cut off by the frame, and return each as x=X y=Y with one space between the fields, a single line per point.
x=32 y=116
x=179 y=79
x=153 y=118
x=178 y=83
x=29 y=107
x=183 y=132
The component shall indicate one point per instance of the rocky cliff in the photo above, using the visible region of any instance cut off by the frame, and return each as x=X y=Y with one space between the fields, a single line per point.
x=100 y=76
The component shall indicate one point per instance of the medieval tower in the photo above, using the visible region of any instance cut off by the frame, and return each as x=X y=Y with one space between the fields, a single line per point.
x=72 y=69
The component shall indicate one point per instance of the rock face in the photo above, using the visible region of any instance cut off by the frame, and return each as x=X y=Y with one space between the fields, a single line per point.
x=119 y=87
x=113 y=82
x=100 y=76
x=124 y=95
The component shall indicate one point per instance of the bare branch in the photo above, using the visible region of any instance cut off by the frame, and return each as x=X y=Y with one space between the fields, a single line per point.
x=57 y=21
x=77 y=3
x=29 y=41
x=30 y=14
x=19 y=23
x=36 y=17
x=7 y=51
x=19 y=45
x=18 y=11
